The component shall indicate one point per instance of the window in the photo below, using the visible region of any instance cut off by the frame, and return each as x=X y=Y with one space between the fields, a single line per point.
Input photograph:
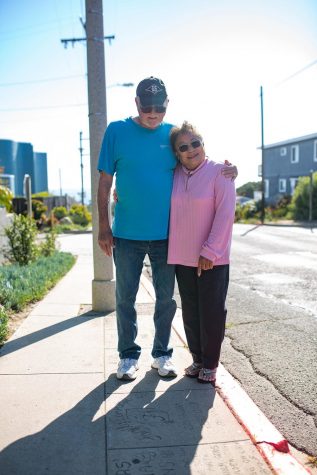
x=283 y=151
x=259 y=170
x=315 y=151
x=293 y=183
x=294 y=153
x=282 y=185
x=266 y=188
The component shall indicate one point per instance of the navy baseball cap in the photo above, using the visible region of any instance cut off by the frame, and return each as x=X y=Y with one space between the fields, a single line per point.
x=151 y=92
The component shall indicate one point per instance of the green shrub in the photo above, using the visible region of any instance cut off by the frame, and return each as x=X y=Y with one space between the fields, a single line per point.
x=246 y=212
x=59 y=212
x=300 y=200
x=22 y=234
x=6 y=198
x=48 y=247
x=3 y=324
x=20 y=286
x=38 y=208
x=41 y=194
x=80 y=215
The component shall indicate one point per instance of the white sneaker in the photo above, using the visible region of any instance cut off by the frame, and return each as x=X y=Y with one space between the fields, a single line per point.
x=127 y=368
x=165 y=366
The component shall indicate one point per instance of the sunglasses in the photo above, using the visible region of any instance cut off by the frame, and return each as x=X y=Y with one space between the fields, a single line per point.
x=184 y=147
x=149 y=109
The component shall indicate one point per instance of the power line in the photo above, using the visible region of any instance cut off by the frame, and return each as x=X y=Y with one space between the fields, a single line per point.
x=42 y=107
x=37 y=81
x=309 y=65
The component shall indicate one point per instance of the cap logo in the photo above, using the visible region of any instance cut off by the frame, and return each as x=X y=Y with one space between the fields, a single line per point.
x=154 y=89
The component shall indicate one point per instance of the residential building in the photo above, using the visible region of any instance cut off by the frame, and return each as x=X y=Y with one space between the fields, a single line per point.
x=285 y=162
x=18 y=159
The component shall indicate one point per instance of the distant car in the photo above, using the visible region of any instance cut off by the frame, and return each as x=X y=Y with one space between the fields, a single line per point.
x=245 y=200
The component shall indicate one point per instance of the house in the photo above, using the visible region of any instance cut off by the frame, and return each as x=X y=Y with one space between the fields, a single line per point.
x=285 y=162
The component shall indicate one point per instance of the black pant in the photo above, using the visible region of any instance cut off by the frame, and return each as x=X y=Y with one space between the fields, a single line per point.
x=204 y=311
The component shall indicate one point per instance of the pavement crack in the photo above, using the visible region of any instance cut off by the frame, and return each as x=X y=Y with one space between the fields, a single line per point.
x=264 y=376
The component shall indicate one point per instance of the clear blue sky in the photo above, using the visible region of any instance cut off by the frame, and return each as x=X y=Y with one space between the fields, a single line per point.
x=212 y=54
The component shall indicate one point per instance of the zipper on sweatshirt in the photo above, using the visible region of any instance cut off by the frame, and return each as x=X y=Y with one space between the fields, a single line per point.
x=187 y=179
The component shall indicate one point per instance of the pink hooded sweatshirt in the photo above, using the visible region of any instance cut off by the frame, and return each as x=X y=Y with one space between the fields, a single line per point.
x=202 y=215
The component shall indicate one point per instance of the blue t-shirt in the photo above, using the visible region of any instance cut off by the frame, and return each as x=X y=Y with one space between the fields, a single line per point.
x=143 y=162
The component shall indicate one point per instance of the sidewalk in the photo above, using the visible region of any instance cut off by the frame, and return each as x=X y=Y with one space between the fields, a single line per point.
x=64 y=412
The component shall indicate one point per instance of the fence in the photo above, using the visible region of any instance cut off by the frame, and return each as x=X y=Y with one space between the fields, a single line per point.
x=19 y=205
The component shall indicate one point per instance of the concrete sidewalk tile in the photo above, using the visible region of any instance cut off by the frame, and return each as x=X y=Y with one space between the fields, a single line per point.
x=143 y=295
x=70 y=294
x=43 y=344
x=145 y=332
x=148 y=378
x=53 y=424
x=55 y=310
x=149 y=419
x=229 y=458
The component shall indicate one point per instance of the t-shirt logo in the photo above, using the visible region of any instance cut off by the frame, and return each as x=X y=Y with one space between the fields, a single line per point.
x=154 y=89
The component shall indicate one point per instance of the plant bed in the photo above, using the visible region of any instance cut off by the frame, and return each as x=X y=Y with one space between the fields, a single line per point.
x=21 y=286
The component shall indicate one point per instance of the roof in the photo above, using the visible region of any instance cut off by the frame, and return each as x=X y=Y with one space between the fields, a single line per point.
x=291 y=141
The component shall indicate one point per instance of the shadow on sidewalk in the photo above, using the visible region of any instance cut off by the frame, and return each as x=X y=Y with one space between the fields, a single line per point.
x=146 y=430
x=34 y=337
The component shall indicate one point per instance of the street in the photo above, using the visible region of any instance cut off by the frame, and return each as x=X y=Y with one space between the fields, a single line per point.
x=271 y=338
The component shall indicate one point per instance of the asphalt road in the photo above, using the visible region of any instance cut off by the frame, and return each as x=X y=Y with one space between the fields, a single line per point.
x=271 y=338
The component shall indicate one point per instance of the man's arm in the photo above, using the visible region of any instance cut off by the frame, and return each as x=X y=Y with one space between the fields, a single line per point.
x=105 y=238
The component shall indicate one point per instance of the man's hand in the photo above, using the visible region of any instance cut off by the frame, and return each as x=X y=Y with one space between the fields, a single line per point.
x=105 y=241
x=229 y=171
x=204 y=264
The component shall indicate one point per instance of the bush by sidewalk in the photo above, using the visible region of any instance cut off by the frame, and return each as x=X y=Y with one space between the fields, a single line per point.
x=21 y=285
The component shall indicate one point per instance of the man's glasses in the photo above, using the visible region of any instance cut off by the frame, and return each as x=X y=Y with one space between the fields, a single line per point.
x=149 y=109
x=184 y=147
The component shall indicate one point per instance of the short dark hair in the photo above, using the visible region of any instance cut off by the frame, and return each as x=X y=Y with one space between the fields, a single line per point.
x=185 y=128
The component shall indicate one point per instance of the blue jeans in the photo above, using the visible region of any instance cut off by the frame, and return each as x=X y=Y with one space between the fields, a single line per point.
x=129 y=256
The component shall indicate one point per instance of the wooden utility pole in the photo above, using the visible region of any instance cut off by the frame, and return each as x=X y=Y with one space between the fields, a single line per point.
x=81 y=167
x=103 y=285
x=262 y=160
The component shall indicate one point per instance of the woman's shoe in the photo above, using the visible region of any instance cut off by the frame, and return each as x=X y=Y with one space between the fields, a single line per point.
x=193 y=370
x=207 y=376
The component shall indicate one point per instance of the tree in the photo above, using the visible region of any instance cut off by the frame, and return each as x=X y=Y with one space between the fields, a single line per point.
x=6 y=198
x=248 y=189
x=300 y=199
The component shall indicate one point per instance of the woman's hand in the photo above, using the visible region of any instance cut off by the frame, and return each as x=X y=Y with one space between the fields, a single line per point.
x=204 y=264
x=229 y=171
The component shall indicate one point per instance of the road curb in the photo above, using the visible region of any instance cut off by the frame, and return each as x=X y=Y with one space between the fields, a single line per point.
x=268 y=440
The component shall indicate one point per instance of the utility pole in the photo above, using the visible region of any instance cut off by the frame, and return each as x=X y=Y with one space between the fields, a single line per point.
x=81 y=167
x=310 y=217
x=103 y=285
x=262 y=160
x=60 y=182
x=28 y=194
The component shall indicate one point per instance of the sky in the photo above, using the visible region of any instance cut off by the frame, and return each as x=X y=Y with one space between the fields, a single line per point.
x=213 y=56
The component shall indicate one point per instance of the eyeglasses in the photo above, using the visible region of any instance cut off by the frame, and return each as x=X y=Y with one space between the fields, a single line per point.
x=184 y=147
x=149 y=109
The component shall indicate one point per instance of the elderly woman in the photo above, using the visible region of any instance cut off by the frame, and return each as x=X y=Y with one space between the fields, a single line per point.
x=202 y=215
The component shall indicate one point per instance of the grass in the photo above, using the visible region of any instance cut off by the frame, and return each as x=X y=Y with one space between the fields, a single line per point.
x=22 y=285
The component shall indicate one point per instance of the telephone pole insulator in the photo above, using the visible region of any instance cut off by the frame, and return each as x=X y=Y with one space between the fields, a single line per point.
x=76 y=40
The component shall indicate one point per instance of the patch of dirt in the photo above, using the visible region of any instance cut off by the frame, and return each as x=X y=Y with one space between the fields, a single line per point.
x=16 y=319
